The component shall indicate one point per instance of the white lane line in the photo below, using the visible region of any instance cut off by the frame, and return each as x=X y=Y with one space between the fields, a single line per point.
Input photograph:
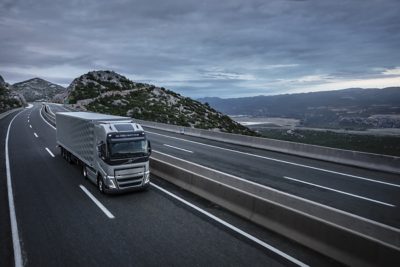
x=51 y=154
x=28 y=121
x=101 y=206
x=234 y=228
x=179 y=148
x=13 y=218
x=281 y=192
x=35 y=135
x=341 y=192
x=278 y=160
x=30 y=126
x=40 y=113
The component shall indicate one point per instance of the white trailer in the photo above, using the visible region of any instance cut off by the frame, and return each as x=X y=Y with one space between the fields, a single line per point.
x=112 y=150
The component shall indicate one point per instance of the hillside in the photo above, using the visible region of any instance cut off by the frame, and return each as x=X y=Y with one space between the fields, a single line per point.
x=349 y=108
x=8 y=98
x=109 y=92
x=37 y=89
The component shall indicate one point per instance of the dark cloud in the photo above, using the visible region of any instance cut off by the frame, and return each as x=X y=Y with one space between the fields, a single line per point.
x=203 y=48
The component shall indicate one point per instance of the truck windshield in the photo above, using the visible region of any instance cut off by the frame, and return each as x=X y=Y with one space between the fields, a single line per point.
x=126 y=149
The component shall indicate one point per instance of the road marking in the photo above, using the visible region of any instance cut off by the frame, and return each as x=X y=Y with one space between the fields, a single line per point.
x=101 y=206
x=51 y=154
x=35 y=135
x=30 y=126
x=341 y=192
x=179 y=148
x=278 y=160
x=28 y=120
x=40 y=112
x=13 y=218
x=232 y=227
x=281 y=192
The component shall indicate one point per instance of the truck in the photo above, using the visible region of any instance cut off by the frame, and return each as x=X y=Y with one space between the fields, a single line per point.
x=112 y=151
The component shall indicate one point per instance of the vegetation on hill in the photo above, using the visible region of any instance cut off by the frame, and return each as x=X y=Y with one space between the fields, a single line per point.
x=111 y=93
x=8 y=98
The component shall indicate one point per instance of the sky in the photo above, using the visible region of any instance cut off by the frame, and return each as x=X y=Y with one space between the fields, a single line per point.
x=206 y=48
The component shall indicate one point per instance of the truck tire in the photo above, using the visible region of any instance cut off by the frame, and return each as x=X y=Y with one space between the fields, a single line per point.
x=100 y=184
x=62 y=152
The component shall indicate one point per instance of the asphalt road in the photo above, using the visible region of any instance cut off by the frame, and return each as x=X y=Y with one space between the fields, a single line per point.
x=60 y=225
x=370 y=194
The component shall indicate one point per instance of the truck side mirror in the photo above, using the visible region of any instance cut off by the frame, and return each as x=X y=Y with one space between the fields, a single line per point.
x=148 y=147
x=99 y=149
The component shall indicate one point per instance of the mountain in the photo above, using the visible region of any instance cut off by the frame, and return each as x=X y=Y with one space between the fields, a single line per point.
x=109 y=92
x=348 y=108
x=8 y=98
x=37 y=89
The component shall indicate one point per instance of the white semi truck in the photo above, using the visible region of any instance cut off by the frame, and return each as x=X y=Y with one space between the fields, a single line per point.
x=112 y=150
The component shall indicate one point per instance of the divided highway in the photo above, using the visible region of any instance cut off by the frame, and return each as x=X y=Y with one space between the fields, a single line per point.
x=370 y=194
x=63 y=220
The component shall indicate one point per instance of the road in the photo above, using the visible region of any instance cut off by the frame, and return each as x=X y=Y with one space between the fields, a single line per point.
x=370 y=194
x=59 y=223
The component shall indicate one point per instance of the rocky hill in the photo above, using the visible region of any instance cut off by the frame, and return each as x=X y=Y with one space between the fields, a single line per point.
x=109 y=92
x=37 y=89
x=350 y=108
x=8 y=98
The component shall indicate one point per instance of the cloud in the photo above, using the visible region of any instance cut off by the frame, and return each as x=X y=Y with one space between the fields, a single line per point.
x=393 y=71
x=203 y=48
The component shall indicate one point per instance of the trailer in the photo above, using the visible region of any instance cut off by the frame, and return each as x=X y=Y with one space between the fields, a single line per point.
x=112 y=151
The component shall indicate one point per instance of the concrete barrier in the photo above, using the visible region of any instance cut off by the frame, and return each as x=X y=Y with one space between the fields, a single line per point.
x=345 y=237
x=346 y=157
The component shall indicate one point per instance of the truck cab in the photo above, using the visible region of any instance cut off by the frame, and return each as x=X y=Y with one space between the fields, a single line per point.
x=123 y=153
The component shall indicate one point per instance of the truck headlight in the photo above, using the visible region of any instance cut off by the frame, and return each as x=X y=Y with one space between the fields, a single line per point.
x=110 y=181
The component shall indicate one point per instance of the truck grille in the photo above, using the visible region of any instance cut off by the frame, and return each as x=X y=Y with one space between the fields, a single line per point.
x=132 y=177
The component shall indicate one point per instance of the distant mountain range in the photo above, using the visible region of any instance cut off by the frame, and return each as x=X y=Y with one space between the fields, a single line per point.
x=37 y=89
x=350 y=108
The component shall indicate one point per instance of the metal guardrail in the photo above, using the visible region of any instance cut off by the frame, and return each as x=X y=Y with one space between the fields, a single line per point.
x=48 y=115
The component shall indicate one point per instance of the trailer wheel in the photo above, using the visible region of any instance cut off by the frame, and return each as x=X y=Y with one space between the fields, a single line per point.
x=100 y=184
x=69 y=158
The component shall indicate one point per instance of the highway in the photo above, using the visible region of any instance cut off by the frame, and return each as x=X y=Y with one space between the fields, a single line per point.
x=370 y=194
x=62 y=220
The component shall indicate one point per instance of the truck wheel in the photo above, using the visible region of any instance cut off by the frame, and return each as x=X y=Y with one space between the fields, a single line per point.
x=100 y=184
x=69 y=158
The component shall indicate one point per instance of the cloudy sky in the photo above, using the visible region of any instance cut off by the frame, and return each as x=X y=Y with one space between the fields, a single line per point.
x=206 y=48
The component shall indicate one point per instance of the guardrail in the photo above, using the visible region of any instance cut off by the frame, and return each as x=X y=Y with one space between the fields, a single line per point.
x=345 y=237
x=48 y=115
x=346 y=157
